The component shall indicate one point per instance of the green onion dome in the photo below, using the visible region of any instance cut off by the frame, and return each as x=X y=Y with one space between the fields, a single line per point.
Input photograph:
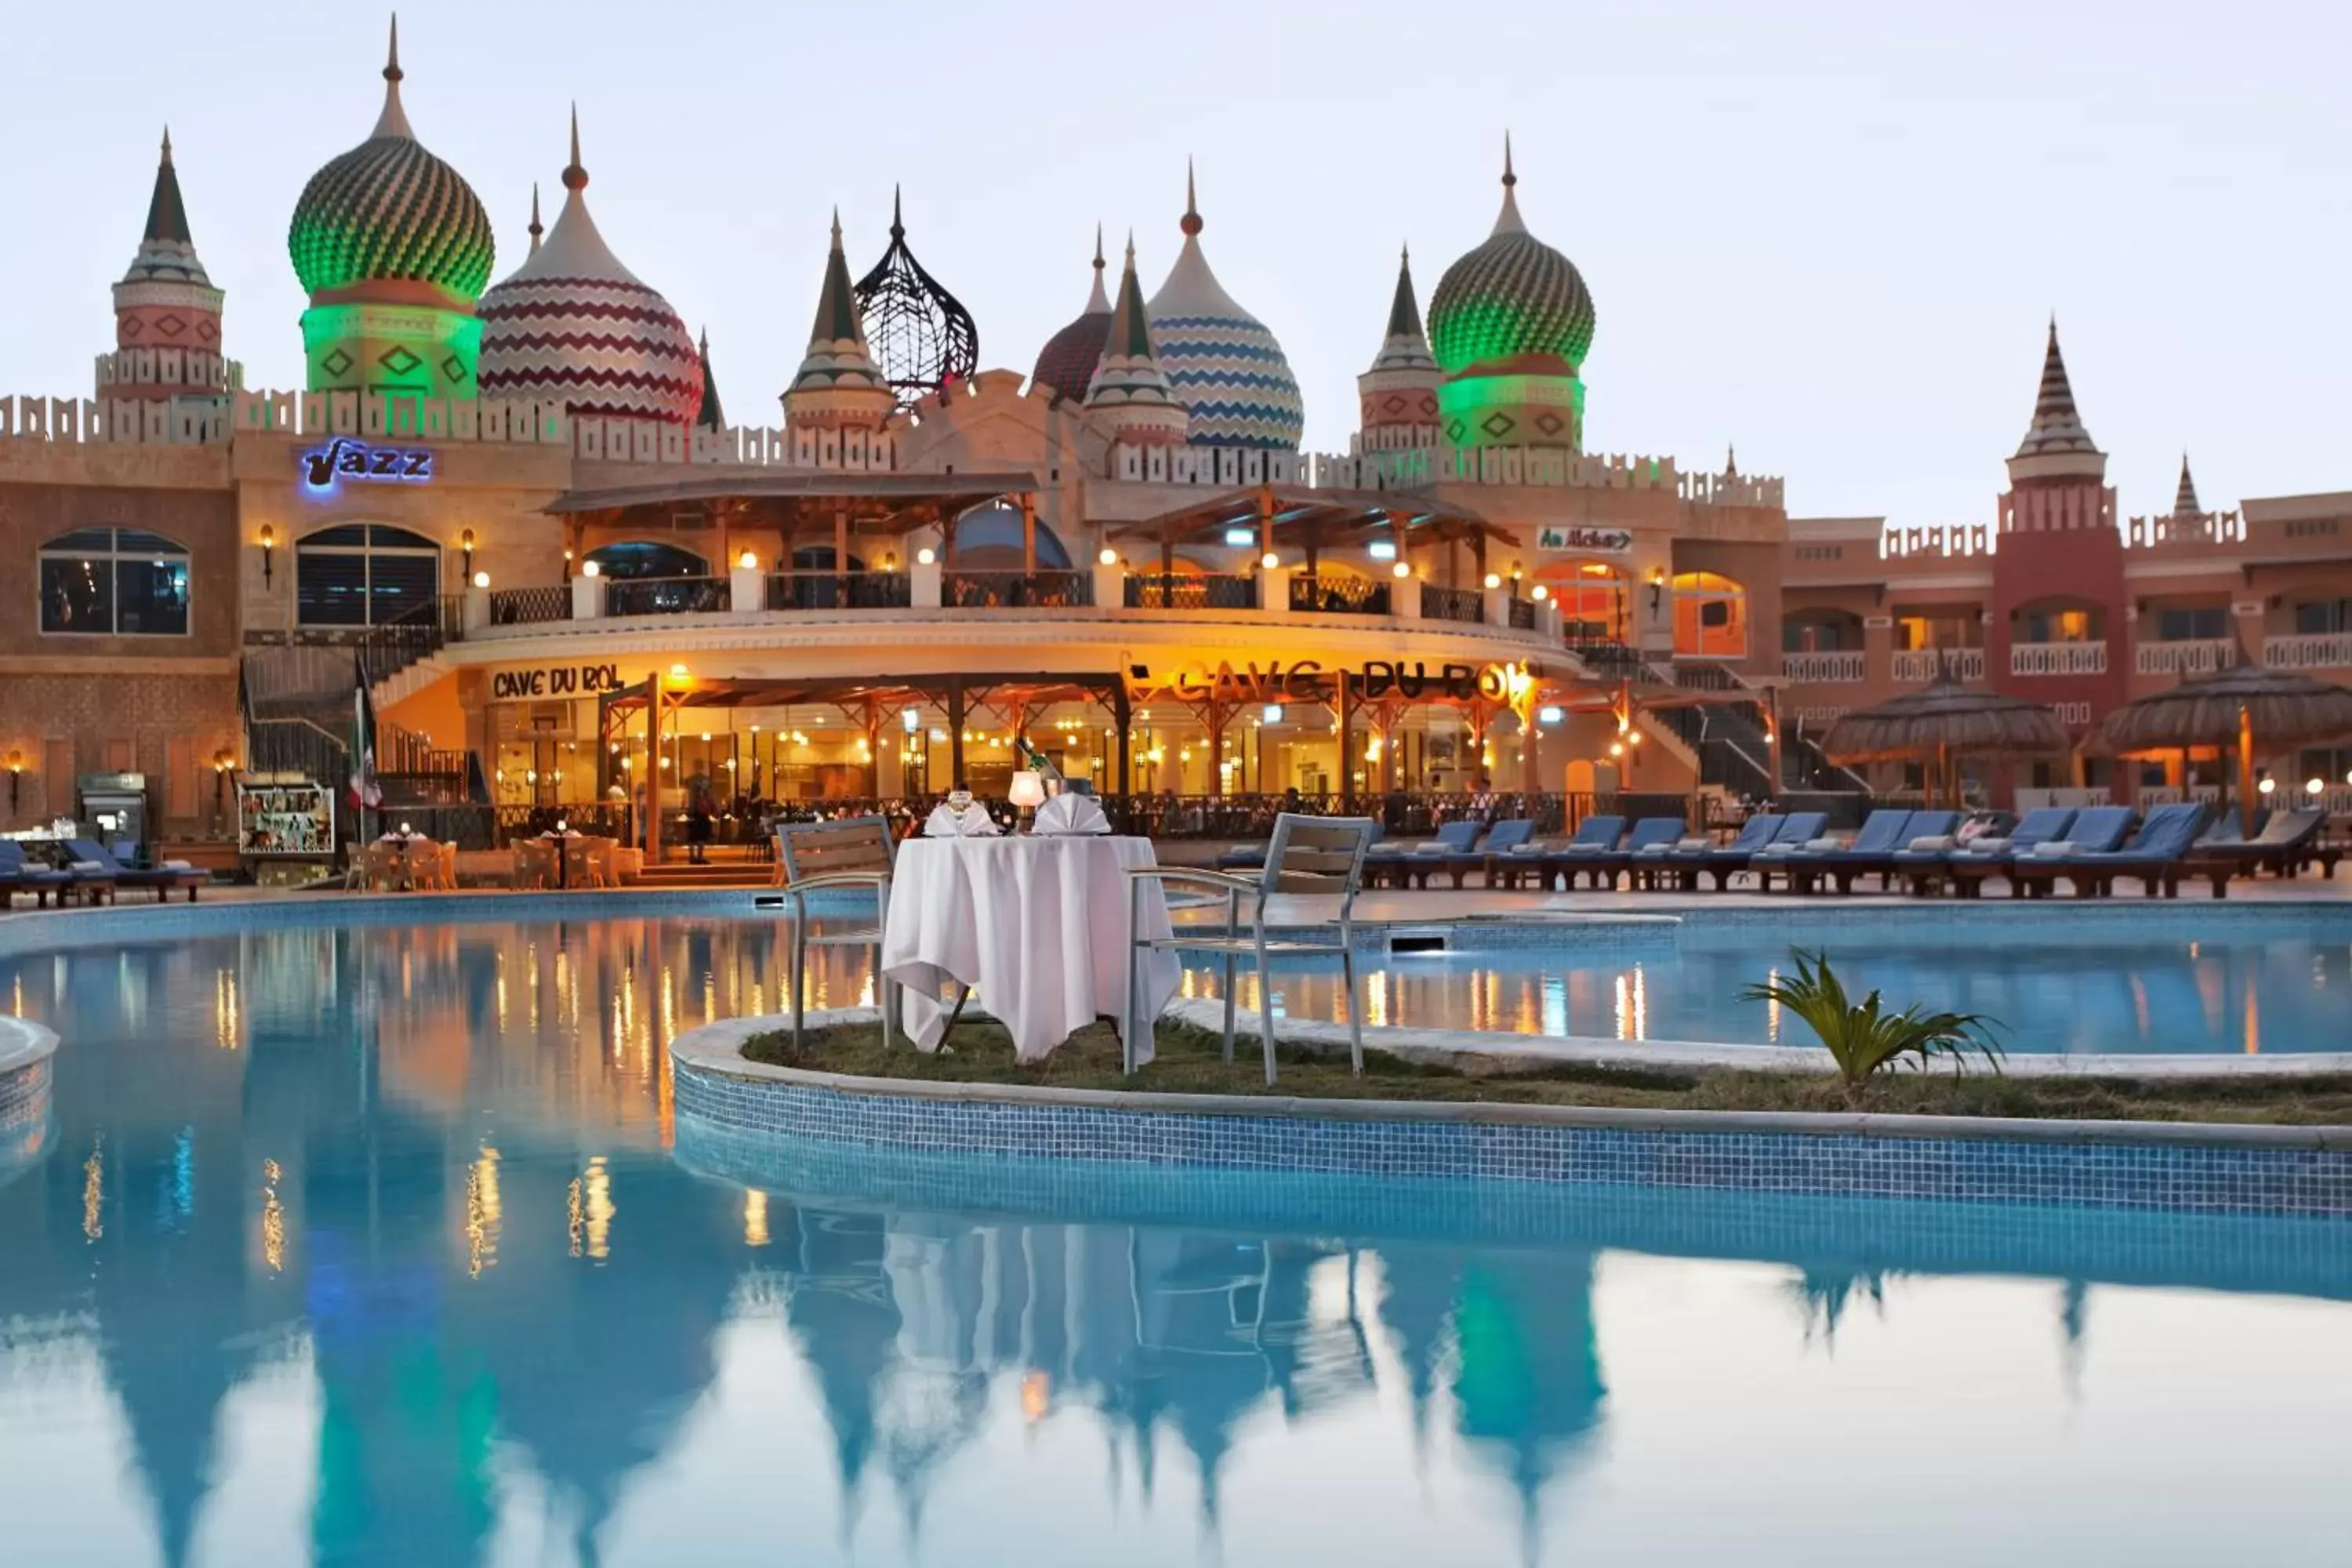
x=1512 y=296
x=388 y=209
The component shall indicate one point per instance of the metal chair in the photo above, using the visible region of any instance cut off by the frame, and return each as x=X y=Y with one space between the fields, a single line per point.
x=853 y=852
x=1323 y=855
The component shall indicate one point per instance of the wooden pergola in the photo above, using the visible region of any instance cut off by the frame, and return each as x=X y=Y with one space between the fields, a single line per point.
x=797 y=510
x=1311 y=521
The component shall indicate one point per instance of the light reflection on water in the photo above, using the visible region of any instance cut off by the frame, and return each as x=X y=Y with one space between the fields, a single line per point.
x=369 y=1247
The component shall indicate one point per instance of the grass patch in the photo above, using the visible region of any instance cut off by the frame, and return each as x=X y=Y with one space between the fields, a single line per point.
x=1189 y=1062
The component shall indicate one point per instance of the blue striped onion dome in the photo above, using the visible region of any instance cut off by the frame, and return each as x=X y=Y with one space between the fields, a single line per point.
x=1236 y=385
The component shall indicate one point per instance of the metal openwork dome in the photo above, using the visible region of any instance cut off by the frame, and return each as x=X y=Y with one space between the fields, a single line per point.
x=920 y=334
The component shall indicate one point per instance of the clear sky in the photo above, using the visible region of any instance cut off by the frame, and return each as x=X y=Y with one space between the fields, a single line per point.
x=1829 y=232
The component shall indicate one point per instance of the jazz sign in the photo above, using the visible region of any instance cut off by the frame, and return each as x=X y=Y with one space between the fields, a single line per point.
x=343 y=458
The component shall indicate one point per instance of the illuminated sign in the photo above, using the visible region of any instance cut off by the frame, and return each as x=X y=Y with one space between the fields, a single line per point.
x=555 y=680
x=1588 y=540
x=344 y=459
x=1272 y=683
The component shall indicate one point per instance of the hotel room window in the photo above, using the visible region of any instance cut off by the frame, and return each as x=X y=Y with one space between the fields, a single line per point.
x=114 y=582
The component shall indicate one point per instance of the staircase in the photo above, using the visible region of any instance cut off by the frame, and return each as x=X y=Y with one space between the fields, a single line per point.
x=718 y=876
x=1724 y=743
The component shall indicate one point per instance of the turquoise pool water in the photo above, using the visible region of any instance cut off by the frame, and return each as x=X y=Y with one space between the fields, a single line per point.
x=2176 y=980
x=382 y=1246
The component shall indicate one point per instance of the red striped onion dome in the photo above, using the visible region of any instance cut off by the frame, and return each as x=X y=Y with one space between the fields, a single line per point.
x=1065 y=366
x=573 y=323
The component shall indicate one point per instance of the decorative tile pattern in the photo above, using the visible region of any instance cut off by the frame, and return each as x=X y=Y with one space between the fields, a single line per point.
x=2171 y=1178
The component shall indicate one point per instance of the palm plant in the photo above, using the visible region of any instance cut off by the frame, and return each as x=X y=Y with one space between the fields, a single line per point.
x=1866 y=1038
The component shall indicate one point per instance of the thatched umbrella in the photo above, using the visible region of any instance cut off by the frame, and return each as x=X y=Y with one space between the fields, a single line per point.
x=1942 y=721
x=2229 y=706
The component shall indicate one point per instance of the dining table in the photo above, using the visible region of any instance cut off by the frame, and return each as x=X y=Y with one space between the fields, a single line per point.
x=1037 y=923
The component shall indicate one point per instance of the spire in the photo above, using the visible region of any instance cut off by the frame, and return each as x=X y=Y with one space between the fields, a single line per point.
x=1130 y=389
x=1099 y=302
x=167 y=217
x=1508 y=220
x=710 y=417
x=1191 y=223
x=575 y=174
x=2184 y=503
x=837 y=313
x=897 y=223
x=392 y=122
x=838 y=383
x=2057 y=427
x=1130 y=328
x=1404 y=312
x=536 y=229
x=1730 y=460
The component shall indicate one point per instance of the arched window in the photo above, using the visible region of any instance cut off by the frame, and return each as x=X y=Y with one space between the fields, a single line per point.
x=114 y=582
x=988 y=538
x=1710 y=615
x=364 y=574
x=643 y=558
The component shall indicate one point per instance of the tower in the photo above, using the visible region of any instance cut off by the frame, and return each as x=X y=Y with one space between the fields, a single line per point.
x=393 y=248
x=1129 y=395
x=167 y=314
x=838 y=386
x=1397 y=397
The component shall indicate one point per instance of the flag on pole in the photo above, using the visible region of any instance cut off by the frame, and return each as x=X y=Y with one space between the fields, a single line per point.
x=363 y=790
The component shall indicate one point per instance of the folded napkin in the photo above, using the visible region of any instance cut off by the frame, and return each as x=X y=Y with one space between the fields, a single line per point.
x=1931 y=843
x=1694 y=845
x=1067 y=813
x=2054 y=849
x=971 y=822
x=84 y=865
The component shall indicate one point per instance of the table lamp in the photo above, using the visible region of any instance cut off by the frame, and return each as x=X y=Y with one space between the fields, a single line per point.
x=1027 y=794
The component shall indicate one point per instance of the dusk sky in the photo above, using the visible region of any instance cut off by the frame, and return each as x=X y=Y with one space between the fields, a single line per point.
x=1829 y=233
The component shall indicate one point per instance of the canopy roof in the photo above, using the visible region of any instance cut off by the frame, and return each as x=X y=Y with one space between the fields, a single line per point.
x=2283 y=709
x=789 y=498
x=1331 y=517
x=1946 y=717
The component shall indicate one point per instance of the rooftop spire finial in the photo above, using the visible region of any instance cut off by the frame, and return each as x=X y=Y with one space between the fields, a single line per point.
x=1192 y=224
x=1509 y=177
x=1508 y=221
x=536 y=229
x=575 y=174
x=393 y=120
x=897 y=224
x=1099 y=256
x=167 y=146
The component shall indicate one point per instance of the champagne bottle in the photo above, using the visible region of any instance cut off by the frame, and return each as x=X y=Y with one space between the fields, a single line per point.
x=1036 y=760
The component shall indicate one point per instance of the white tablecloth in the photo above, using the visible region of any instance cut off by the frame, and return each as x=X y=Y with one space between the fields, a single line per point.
x=1038 y=922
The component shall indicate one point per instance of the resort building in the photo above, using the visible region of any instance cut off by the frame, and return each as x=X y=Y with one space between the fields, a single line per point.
x=509 y=502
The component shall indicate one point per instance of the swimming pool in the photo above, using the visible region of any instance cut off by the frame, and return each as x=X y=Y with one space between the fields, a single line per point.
x=381 y=1245
x=2155 y=980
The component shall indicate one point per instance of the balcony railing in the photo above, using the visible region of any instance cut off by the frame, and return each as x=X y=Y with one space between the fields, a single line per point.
x=1831 y=668
x=1017 y=590
x=1439 y=602
x=1338 y=595
x=2058 y=658
x=2308 y=650
x=665 y=595
x=838 y=591
x=1191 y=591
x=2194 y=656
x=1923 y=664
x=522 y=607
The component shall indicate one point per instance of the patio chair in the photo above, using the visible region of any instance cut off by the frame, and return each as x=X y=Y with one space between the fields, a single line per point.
x=1411 y=866
x=1502 y=838
x=1796 y=828
x=19 y=874
x=1927 y=869
x=1804 y=865
x=161 y=880
x=1873 y=854
x=90 y=879
x=2097 y=830
x=1647 y=849
x=1595 y=836
x=1321 y=855
x=2156 y=859
x=1688 y=856
x=2282 y=848
x=534 y=862
x=850 y=852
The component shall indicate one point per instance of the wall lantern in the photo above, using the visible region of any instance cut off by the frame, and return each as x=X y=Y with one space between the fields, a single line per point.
x=268 y=551
x=466 y=543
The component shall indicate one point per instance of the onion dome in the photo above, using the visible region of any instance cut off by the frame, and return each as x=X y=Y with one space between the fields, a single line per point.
x=389 y=210
x=1511 y=298
x=573 y=323
x=1065 y=366
x=1131 y=394
x=1228 y=369
x=838 y=382
x=921 y=335
x=2056 y=445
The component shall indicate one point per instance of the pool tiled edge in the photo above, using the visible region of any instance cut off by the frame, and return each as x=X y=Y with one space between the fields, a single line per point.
x=25 y=1052
x=2146 y=1167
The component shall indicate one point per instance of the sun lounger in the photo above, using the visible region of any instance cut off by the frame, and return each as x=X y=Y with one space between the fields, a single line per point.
x=2282 y=846
x=163 y=881
x=2156 y=859
x=1410 y=865
x=19 y=874
x=1595 y=836
x=1927 y=869
x=1501 y=838
x=2097 y=830
x=1727 y=861
x=1646 y=850
x=1690 y=857
x=1871 y=853
x=1808 y=865
x=1803 y=828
